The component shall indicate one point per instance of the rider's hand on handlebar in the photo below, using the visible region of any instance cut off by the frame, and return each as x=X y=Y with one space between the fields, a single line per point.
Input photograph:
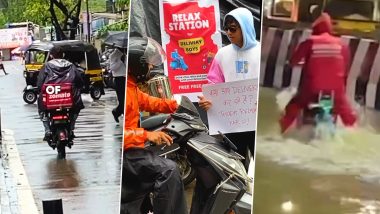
x=204 y=103
x=159 y=138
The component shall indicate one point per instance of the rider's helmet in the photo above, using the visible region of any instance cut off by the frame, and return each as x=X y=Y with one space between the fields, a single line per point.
x=142 y=53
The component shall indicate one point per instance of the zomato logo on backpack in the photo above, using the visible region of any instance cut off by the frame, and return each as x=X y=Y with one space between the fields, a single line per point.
x=57 y=95
x=53 y=89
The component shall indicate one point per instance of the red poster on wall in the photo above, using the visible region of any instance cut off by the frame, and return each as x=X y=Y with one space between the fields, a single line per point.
x=191 y=37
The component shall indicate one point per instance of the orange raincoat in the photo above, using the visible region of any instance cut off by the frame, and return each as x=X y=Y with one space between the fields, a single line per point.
x=137 y=101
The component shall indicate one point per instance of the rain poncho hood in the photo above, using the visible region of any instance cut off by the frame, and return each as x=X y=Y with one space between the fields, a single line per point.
x=60 y=67
x=245 y=19
x=322 y=24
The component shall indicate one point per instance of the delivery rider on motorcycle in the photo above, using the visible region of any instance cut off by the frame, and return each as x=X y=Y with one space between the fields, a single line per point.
x=143 y=171
x=56 y=71
x=326 y=64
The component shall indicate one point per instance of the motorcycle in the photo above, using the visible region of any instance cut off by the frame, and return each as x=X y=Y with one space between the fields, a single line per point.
x=60 y=127
x=107 y=75
x=222 y=183
x=58 y=100
x=320 y=115
x=174 y=152
x=159 y=86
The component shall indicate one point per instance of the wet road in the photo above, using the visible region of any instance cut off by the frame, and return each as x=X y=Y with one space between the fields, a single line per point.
x=88 y=180
x=330 y=176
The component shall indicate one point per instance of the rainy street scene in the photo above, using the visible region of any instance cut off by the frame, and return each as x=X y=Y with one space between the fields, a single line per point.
x=179 y=41
x=317 y=166
x=86 y=181
x=61 y=124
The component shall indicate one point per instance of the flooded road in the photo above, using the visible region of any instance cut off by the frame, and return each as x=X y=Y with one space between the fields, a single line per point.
x=334 y=175
x=88 y=180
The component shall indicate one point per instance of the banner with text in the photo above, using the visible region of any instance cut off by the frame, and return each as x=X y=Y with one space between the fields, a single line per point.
x=233 y=107
x=14 y=37
x=191 y=37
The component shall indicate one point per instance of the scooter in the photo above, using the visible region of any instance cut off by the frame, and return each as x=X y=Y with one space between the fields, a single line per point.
x=222 y=183
x=320 y=115
x=107 y=75
x=178 y=62
x=175 y=152
x=58 y=100
x=60 y=127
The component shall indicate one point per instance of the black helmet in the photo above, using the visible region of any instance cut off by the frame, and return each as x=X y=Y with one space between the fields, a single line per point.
x=141 y=53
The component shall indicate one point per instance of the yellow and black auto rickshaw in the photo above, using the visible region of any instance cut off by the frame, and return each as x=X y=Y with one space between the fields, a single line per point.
x=82 y=54
x=35 y=57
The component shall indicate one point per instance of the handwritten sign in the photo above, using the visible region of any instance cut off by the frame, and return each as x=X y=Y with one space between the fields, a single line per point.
x=234 y=106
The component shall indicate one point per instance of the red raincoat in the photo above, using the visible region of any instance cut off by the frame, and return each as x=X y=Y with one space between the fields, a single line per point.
x=326 y=64
x=137 y=101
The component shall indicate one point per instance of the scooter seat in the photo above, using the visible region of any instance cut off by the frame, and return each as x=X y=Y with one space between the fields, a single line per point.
x=154 y=122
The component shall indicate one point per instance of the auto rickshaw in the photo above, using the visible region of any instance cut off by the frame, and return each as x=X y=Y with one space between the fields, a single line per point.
x=35 y=57
x=82 y=54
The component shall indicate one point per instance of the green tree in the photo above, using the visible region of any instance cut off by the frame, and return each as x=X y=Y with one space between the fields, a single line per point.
x=24 y=10
x=70 y=9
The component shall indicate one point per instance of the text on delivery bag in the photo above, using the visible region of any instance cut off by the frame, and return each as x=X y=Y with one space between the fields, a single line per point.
x=57 y=95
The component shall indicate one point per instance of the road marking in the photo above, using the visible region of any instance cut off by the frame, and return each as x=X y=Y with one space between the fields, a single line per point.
x=26 y=201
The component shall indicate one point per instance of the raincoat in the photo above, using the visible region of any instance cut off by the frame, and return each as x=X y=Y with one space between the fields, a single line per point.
x=143 y=171
x=139 y=101
x=61 y=71
x=326 y=64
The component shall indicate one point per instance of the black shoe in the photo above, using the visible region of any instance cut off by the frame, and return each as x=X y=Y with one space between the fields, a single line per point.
x=70 y=143
x=52 y=144
x=48 y=136
x=115 y=116
x=72 y=135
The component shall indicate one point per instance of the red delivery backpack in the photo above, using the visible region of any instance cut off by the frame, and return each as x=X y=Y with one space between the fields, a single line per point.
x=57 y=95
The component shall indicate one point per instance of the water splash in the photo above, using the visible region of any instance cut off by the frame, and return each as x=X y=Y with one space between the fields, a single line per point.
x=352 y=151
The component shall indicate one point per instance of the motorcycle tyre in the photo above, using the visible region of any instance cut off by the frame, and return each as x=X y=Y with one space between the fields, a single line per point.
x=61 y=149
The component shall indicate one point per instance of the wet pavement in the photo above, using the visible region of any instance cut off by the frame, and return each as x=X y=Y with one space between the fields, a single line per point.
x=88 y=180
x=331 y=176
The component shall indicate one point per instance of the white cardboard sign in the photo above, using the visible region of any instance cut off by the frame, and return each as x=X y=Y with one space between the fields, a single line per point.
x=233 y=107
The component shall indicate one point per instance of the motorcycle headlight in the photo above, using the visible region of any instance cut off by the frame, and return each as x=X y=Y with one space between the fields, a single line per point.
x=199 y=127
x=233 y=164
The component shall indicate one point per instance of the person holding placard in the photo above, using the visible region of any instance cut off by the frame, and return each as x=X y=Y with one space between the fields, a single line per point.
x=238 y=61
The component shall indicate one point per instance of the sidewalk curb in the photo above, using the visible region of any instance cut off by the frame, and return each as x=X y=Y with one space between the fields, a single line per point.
x=17 y=184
